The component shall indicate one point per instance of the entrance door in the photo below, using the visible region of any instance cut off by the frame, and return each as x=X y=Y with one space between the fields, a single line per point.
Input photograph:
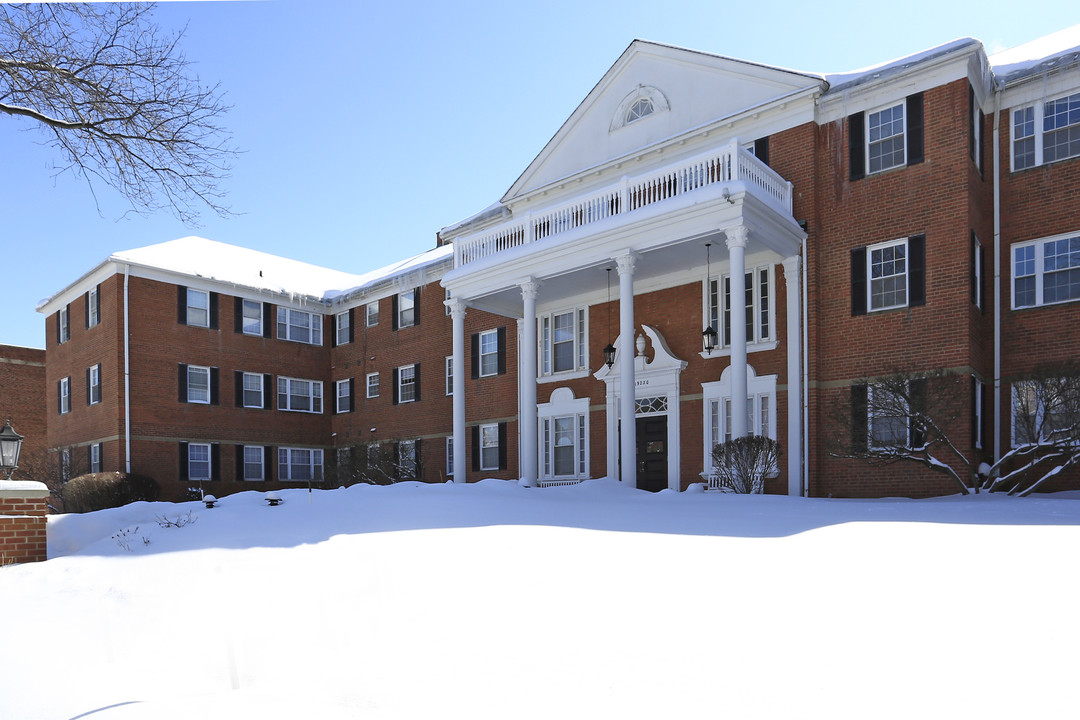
x=652 y=453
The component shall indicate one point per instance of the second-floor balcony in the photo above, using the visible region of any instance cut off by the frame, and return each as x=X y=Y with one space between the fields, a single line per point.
x=729 y=164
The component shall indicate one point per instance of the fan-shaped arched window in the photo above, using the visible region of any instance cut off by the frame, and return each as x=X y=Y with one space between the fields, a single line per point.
x=641 y=108
x=643 y=102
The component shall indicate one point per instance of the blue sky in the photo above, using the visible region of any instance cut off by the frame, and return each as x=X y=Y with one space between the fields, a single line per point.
x=366 y=127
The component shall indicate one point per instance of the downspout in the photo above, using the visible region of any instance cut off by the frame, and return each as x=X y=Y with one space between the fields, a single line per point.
x=997 y=276
x=127 y=375
x=806 y=379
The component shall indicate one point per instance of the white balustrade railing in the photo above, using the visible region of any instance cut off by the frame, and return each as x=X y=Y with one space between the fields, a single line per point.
x=732 y=162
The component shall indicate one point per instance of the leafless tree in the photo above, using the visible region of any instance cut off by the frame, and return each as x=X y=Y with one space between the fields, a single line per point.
x=116 y=95
x=741 y=465
x=382 y=464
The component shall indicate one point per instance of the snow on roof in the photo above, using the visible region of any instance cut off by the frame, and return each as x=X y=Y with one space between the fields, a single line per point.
x=199 y=257
x=1038 y=56
x=414 y=264
x=844 y=81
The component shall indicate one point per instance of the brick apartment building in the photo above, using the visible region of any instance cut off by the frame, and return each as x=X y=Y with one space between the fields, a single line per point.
x=919 y=215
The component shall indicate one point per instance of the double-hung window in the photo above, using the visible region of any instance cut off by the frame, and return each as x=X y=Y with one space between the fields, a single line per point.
x=489 y=447
x=889 y=419
x=300 y=464
x=63 y=325
x=758 y=306
x=564 y=451
x=299 y=326
x=1046 y=271
x=63 y=393
x=198 y=307
x=95 y=457
x=373 y=385
x=371 y=313
x=406 y=312
x=888 y=275
x=198 y=384
x=343 y=327
x=344 y=395
x=93 y=307
x=198 y=461
x=885 y=147
x=299 y=395
x=407 y=460
x=93 y=384
x=251 y=320
x=449 y=375
x=563 y=342
x=489 y=353
x=407 y=385
x=450 y=456
x=251 y=394
x=886 y=137
x=1046 y=132
x=254 y=461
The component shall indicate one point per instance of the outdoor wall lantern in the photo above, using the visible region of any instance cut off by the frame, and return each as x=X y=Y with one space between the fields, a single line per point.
x=10 y=446
x=708 y=335
x=609 y=350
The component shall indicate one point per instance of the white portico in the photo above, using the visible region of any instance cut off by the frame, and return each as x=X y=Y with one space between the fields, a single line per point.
x=641 y=194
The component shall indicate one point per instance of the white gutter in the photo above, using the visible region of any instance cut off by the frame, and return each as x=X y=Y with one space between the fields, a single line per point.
x=997 y=276
x=806 y=379
x=127 y=376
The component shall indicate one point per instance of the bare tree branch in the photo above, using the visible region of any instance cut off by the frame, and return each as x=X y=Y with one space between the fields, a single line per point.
x=120 y=101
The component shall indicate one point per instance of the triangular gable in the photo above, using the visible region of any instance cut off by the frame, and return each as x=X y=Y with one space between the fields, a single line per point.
x=689 y=89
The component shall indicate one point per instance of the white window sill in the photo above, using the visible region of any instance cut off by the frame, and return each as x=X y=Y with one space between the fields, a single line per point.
x=750 y=348
x=559 y=377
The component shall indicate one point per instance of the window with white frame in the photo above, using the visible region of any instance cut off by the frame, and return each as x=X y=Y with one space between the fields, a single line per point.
x=888 y=273
x=93 y=307
x=885 y=147
x=563 y=341
x=252 y=390
x=1058 y=139
x=450 y=456
x=760 y=409
x=446 y=306
x=489 y=353
x=344 y=395
x=406 y=309
x=251 y=320
x=977 y=411
x=449 y=375
x=758 y=311
x=93 y=376
x=1046 y=271
x=254 y=458
x=373 y=385
x=65 y=464
x=299 y=395
x=95 y=458
x=63 y=326
x=977 y=269
x=564 y=446
x=198 y=384
x=198 y=307
x=1042 y=408
x=642 y=107
x=299 y=326
x=406 y=383
x=198 y=461
x=343 y=325
x=300 y=464
x=63 y=390
x=406 y=459
x=489 y=447
x=889 y=418
x=371 y=313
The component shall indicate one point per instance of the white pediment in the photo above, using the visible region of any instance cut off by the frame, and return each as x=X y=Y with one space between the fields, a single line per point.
x=685 y=90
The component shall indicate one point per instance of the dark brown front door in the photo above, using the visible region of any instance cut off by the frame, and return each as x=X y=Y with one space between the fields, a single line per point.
x=652 y=453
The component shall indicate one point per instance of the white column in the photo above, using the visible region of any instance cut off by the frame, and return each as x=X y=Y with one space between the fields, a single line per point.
x=628 y=446
x=793 y=277
x=527 y=409
x=457 y=317
x=736 y=244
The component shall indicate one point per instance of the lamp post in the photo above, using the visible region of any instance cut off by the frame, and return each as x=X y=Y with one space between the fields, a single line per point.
x=10 y=446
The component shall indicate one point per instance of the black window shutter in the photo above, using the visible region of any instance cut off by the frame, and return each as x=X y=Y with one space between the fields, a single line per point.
x=215 y=383
x=987 y=418
x=972 y=274
x=975 y=415
x=502 y=446
x=266 y=314
x=57 y=327
x=90 y=458
x=181 y=381
x=238 y=315
x=915 y=128
x=761 y=149
x=416 y=382
x=856 y=146
x=181 y=304
x=394 y=314
x=238 y=382
x=215 y=462
x=184 y=461
x=88 y=393
x=97 y=302
x=395 y=387
x=352 y=396
x=502 y=350
x=60 y=396
x=858 y=281
x=268 y=391
x=982 y=148
x=86 y=314
x=239 y=462
x=476 y=447
x=352 y=323
x=268 y=463
x=474 y=341
x=972 y=150
x=917 y=396
x=859 y=427
x=983 y=279
x=418 y=460
x=916 y=270
x=214 y=310
x=416 y=306
x=331 y=323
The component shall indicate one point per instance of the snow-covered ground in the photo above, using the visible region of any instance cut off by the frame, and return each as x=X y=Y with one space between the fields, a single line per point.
x=595 y=601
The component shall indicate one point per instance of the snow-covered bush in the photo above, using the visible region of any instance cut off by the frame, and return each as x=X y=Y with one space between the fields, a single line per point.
x=741 y=465
x=98 y=491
